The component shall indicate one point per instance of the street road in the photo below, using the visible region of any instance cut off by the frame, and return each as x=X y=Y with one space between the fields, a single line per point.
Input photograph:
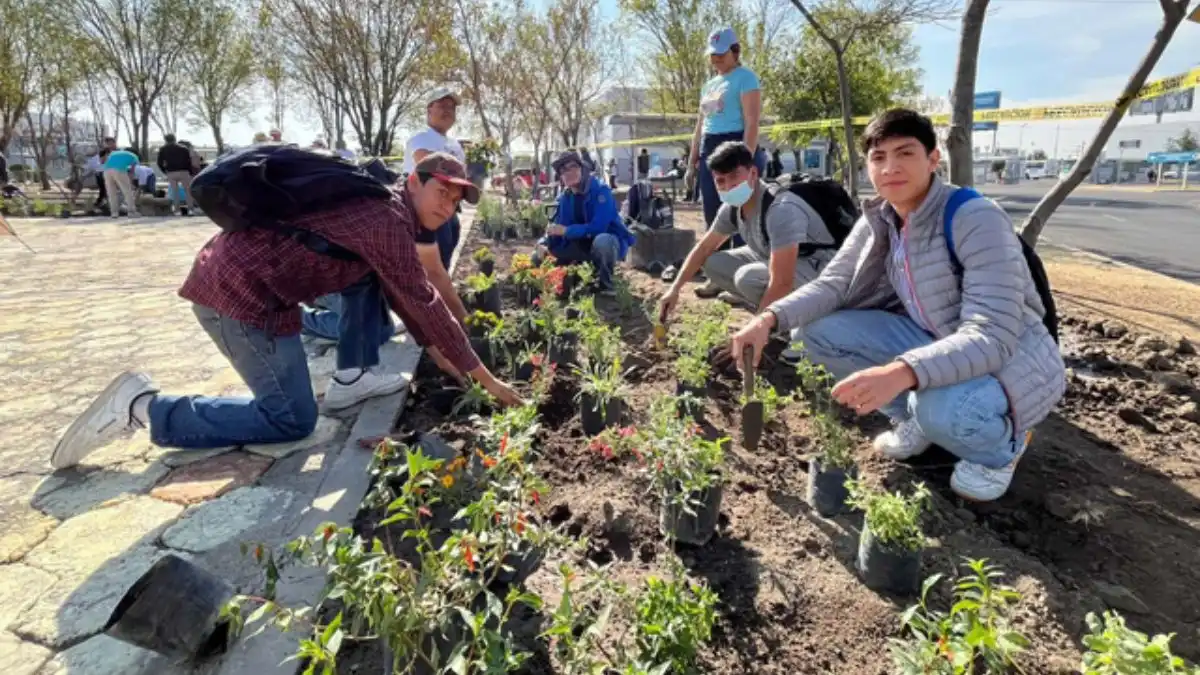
x=1158 y=231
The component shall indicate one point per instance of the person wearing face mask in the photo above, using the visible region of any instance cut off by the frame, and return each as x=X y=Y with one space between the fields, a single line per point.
x=785 y=248
x=587 y=227
x=934 y=313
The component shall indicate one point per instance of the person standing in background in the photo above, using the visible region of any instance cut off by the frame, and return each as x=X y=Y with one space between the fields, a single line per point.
x=176 y=162
x=118 y=183
x=342 y=151
x=441 y=112
x=730 y=107
x=643 y=164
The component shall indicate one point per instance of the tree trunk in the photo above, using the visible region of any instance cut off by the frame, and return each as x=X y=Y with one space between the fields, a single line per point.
x=217 y=137
x=847 y=125
x=1174 y=12
x=962 y=98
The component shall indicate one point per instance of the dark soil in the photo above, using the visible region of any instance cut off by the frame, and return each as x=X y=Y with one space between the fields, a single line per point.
x=1104 y=510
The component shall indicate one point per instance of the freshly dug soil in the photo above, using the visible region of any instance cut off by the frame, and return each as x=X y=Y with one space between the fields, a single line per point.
x=1104 y=510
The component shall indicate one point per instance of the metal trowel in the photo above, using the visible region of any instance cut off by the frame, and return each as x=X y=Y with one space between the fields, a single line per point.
x=752 y=411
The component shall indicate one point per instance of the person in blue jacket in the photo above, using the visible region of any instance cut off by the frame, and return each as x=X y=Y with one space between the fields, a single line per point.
x=588 y=227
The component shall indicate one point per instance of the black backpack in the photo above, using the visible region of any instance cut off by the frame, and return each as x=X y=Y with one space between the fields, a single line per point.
x=265 y=186
x=643 y=205
x=827 y=197
x=1037 y=270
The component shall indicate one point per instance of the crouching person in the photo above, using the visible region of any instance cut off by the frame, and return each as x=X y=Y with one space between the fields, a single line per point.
x=246 y=288
x=588 y=227
x=940 y=328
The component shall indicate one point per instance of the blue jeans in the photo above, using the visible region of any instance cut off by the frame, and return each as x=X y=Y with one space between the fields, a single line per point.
x=708 y=187
x=969 y=419
x=351 y=318
x=447 y=239
x=276 y=370
x=602 y=251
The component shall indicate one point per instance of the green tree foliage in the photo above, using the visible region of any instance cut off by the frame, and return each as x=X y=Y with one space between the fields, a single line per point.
x=21 y=27
x=882 y=70
x=1184 y=142
x=676 y=33
x=221 y=69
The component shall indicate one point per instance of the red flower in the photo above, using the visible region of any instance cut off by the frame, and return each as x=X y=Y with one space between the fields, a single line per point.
x=330 y=530
x=626 y=432
x=519 y=526
x=537 y=499
x=660 y=465
x=469 y=557
x=638 y=453
x=488 y=461
x=424 y=511
x=503 y=445
x=536 y=360
x=537 y=302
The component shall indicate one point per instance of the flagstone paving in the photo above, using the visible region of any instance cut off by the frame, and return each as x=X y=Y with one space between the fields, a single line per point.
x=97 y=298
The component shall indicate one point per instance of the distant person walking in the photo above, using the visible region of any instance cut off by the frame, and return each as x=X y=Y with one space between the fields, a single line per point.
x=176 y=162
x=730 y=107
x=119 y=183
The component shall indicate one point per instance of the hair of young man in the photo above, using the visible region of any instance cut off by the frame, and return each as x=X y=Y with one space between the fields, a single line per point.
x=169 y=138
x=737 y=51
x=729 y=157
x=900 y=123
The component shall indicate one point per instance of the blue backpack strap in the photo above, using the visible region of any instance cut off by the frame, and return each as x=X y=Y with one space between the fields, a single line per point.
x=957 y=198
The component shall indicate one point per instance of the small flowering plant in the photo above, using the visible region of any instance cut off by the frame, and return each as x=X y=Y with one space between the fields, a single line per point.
x=679 y=461
x=483 y=324
x=428 y=612
x=483 y=254
x=522 y=271
x=601 y=382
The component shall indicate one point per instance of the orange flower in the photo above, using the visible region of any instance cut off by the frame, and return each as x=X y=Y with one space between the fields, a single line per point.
x=488 y=462
x=469 y=557
x=258 y=553
x=448 y=481
x=536 y=360
x=536 y=497
x=519 y=526
x=503 y=445
x=330 y=530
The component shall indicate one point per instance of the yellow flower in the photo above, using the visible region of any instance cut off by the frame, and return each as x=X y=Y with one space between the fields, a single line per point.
x=448 y=481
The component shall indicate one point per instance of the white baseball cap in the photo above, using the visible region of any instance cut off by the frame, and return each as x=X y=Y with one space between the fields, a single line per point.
x=439 y=94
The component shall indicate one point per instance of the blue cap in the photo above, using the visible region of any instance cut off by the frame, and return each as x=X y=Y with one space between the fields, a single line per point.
x=720 y=40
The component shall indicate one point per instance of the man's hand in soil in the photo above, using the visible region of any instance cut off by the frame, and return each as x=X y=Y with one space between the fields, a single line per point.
x=667 y=304
x=754 y=334
x=869 y=390
x=504 y=394
x=445 y=365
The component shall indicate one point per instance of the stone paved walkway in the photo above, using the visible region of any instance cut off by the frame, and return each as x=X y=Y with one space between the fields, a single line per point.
x=99 y=297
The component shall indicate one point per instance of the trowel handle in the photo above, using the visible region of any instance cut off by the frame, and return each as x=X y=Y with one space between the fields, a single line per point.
x=748 y=371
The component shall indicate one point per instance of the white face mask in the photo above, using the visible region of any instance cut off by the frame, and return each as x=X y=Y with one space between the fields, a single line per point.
x=738 y=195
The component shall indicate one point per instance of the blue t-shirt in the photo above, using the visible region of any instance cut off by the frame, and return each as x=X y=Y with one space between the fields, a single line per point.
x=121 y=160
x=721 y=100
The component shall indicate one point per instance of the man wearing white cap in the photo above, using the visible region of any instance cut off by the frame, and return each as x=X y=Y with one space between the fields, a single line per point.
x=441 y=111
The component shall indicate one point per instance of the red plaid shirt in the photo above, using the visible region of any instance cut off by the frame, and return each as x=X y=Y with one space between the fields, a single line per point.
x=260 y=277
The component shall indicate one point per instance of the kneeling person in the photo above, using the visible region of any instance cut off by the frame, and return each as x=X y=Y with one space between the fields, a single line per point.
x=588 y=227
x=785 y=248
x=929 y=313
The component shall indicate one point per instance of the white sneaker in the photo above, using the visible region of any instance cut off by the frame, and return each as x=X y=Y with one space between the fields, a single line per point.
x=977 y=483
x=903 y=441
x=369 y=385
x=108 y=418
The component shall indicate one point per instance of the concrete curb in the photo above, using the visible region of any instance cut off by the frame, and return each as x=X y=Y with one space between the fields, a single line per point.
x=338 y=499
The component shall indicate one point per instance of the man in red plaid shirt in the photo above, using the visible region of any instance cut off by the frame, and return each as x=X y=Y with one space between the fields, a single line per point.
x=246 y=288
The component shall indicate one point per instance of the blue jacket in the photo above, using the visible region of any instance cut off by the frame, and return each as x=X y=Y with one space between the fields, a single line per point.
x=600 y=209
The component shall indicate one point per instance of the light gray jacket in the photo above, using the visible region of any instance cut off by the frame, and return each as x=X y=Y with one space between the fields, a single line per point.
x=987 y=323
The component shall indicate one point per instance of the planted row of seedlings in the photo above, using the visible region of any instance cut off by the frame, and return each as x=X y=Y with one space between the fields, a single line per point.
x=523 y=218
x=444 y=589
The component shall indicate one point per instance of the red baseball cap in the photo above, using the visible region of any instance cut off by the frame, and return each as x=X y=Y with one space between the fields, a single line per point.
x=448 y=169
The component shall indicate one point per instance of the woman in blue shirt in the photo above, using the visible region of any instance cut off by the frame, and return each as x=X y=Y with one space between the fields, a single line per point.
x=730 y=106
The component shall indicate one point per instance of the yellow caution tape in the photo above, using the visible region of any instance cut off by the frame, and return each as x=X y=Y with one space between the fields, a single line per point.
x=1070 y=111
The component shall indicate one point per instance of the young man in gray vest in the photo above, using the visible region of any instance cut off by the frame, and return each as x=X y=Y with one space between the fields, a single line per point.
x=784 y=250
x=955 y=353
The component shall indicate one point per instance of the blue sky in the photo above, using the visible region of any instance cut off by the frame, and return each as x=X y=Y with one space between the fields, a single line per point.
x=1033 y=51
